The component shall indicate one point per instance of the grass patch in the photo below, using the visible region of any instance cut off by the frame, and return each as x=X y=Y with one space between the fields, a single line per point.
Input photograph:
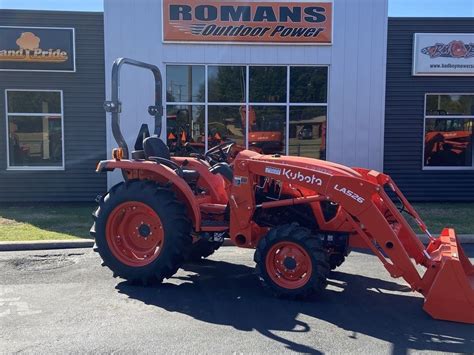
x=40 y=221
x=71 y=221
x=459 y=216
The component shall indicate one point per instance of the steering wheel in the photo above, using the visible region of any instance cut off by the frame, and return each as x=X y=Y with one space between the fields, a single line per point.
x=219 y=153
x=193 y=152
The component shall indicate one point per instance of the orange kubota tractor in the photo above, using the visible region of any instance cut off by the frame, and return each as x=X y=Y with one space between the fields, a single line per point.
x=301 y=215
x=265 y=135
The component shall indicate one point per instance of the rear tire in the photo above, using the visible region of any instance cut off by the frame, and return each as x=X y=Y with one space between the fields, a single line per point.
x=291 y=262
x=141 y=231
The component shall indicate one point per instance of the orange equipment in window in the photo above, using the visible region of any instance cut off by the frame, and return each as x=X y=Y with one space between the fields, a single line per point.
x=261 y=134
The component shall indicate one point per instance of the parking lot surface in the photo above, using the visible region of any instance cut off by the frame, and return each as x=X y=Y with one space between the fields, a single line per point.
x=63 y=301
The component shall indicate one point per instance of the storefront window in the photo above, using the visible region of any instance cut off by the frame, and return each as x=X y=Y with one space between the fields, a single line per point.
x=34 y=121
x=450 y=105
x=308 y=84
x=34 y=101
x=226 y=83
x=226 y=123
x=267 y=84
x=448 y=131
x=185 y=124
x=275 y=106
x=185 y=83
x=267 y=128
x=307 y=133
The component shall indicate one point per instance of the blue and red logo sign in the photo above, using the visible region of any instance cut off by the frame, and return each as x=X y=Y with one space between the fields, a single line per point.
x=454 y=49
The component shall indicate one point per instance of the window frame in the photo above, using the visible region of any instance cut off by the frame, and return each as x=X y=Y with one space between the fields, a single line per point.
x=247 y=102
x=62 y=167
x=425 y=117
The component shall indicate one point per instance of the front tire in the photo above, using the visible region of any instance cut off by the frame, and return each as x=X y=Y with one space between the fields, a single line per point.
x=336 y=260
x=141 y=231
x=291 y=262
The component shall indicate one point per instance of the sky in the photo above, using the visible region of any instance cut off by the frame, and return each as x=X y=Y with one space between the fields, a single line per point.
x=397 y=8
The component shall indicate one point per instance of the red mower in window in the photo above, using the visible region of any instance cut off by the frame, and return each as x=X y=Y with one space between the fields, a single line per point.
x=301 y=215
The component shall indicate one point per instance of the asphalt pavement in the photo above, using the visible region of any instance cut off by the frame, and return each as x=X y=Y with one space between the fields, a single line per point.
x=63 y=301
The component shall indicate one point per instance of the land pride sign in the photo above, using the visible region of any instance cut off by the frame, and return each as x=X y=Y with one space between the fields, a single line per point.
x=255 y=22
x=37 y=49
x=443 y=54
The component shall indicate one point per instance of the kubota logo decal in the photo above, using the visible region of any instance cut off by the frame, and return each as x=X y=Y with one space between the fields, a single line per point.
x=298 y=176
x=349 y=193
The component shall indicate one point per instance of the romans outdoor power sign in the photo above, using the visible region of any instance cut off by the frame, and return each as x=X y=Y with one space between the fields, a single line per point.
x=247 y=22
x=37 y=49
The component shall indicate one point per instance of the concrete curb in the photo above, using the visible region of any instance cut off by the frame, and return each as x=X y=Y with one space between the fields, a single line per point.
x=46 y=244
x=87 y=243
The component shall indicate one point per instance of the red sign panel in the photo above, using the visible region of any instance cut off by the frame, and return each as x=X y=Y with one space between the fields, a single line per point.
x=247 y=22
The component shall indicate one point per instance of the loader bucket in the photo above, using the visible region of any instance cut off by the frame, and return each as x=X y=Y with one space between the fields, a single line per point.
x=450 y=296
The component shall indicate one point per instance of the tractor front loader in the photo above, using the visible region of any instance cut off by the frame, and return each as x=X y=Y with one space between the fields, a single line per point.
x=301 y=215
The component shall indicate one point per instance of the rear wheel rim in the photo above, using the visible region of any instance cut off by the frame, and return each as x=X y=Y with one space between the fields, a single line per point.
x=135 y=234
x=288 y=265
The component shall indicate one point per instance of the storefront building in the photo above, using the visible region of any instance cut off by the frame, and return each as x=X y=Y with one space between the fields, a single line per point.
x=52 y=88
x=333 y=80
x=430 y=108
x=302 y=78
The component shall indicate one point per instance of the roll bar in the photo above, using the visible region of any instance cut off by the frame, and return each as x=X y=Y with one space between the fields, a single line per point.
x=114 y=106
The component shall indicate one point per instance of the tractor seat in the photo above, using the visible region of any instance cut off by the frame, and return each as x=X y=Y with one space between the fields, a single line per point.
x=154 y=147
x=190 y=176
x=224 y=169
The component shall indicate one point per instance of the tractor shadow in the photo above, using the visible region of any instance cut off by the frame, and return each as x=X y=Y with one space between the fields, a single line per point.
x=230 y=294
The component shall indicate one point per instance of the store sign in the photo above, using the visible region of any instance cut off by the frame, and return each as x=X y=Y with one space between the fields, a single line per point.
x=253 y=22
x=37 y=49
x=443 y=54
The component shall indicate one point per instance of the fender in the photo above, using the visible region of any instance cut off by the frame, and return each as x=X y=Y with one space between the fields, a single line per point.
x=215 y=184
x=145 y=170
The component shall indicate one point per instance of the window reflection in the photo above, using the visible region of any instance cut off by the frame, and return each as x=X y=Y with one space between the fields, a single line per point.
x=450 y=105
x=269 y=98
x=267 y=84
x=34 y=128
x=267 y=126
x=185 y=126
x=34 y=102
x=35 y=140
x=226 y=83
x=226 y=123
x=308 y=84
x=185 y=83
x=448 y=142
x=308 y=132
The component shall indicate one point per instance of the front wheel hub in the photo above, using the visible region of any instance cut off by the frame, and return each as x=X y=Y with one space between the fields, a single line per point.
x=144 y=230
x=288 y=265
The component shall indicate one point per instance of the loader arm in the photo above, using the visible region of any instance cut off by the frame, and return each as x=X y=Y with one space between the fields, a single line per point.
x=449 y=280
